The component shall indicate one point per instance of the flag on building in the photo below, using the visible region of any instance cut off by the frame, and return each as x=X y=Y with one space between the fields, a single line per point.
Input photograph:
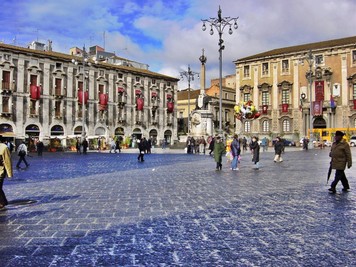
x=332 y=102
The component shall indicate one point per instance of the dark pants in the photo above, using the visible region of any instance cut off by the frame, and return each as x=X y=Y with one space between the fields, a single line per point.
x=340 y=176
x=140 y=156
x=22 y=158
x=3 y=200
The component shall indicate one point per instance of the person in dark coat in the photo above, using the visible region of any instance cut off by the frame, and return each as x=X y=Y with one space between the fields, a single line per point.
x=77 y=146
x=219 y=150
x=40 y=147
x=85 y=146
x=278 y=149
x=255 y=149
x=211 y=145
x=142 y=144
x=340 y=158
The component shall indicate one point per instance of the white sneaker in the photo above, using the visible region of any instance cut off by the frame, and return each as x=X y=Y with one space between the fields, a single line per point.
x=235 y=169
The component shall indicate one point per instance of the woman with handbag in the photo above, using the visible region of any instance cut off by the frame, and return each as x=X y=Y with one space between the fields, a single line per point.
x=22 y=152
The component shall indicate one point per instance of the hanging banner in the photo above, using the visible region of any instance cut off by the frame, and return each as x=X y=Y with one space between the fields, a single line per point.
x=354 y=103
x=264 y=109
x=319 y=91
x=317 y=108
x=285 y=107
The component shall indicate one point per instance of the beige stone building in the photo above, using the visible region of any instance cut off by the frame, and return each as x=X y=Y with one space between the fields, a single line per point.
x=277 y=82
x=43 y=94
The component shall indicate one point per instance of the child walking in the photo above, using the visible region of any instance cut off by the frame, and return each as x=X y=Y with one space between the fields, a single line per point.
x=219 y=150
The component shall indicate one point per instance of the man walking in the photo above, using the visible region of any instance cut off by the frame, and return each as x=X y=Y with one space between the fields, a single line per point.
x=340 y=157
x=235 y=151
x=5 y=170
x=22 y=152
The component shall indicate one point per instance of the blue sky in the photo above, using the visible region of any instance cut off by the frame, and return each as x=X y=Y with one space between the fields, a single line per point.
x=167 y=34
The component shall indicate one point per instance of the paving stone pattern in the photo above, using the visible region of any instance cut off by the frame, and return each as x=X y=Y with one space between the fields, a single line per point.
x=106 y=209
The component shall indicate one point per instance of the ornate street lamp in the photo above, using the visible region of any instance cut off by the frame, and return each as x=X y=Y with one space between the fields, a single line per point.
x=189 y=75
x=85 y=62
x=309 y=75
x=219 y=24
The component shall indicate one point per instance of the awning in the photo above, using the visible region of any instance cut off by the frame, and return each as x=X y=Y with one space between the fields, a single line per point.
x=8 y=134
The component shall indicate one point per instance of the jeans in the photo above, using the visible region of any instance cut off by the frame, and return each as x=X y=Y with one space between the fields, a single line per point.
x=234 y=162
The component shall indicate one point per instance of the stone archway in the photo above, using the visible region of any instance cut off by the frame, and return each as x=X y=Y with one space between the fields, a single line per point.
x=319 y=123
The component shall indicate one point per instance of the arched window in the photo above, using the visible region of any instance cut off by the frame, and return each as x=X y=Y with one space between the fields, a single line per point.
x=247 y=126
x=286 y=126
x=265 y=126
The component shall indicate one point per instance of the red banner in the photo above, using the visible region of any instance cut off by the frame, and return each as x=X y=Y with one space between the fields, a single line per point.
x=319 y=91
x=264 y=109
x=317 y=108
x=120 y=90
x=285 y=107
x=170 y=107
x=80 y=97
x=139 y=103
x=354 y=103
x=103 y=99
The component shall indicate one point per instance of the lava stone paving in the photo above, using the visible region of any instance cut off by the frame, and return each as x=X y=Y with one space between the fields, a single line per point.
x=106 y=209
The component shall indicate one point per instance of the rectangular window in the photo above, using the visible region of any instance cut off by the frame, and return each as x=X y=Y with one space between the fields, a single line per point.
x=246 y=71
x=58 y=89
x=285 y=96
x=7 y=57
x=285 y=65
x=265 y=126
x=120 y=75
x=234 y=97
x=247 y=97
x=247 y=126
x=101 y=73
x=226 y=96
x=5 y=104
x=153 y=81
x=226 y=116
x=265 y=98
x=6 y=80
x=57 y=109
x=354 y=56
x=319 y=60
x=101 y=88
x=58 y=65
x=264 y=68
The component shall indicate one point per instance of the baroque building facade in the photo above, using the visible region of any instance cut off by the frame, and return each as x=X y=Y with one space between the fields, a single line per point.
x=43 y=94
x=292 y=94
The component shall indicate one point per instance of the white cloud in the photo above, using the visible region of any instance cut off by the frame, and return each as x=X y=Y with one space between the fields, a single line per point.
x=167 y=35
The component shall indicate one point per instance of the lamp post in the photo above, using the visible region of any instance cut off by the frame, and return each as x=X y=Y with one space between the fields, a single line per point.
x=310 y=59
x=189 y=75
x=219 y=24
x=84 y=63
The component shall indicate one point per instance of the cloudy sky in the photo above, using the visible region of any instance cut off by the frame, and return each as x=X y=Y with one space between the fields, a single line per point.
x=167 y=34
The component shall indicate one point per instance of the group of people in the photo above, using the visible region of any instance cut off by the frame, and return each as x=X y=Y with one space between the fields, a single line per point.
x=196 y=146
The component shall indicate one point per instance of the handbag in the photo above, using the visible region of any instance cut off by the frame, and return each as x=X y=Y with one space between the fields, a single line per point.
x=22 y=153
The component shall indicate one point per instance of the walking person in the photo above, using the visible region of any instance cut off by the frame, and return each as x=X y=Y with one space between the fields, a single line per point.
x=118 y=145
x=235 y=151
x=85 y=145
x=22 y=152
x=202 y=144
x=278 y=149
x=77 y=146
x=264 y=144
x=5 y=170
x=40 y=147
x=112 y=146
x=219 y=150
x=255 y=149
x=141 y=148
x=211 y=145
x=340 y=158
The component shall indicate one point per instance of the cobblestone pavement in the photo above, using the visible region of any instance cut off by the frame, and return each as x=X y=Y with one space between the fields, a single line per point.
x=106 y=209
